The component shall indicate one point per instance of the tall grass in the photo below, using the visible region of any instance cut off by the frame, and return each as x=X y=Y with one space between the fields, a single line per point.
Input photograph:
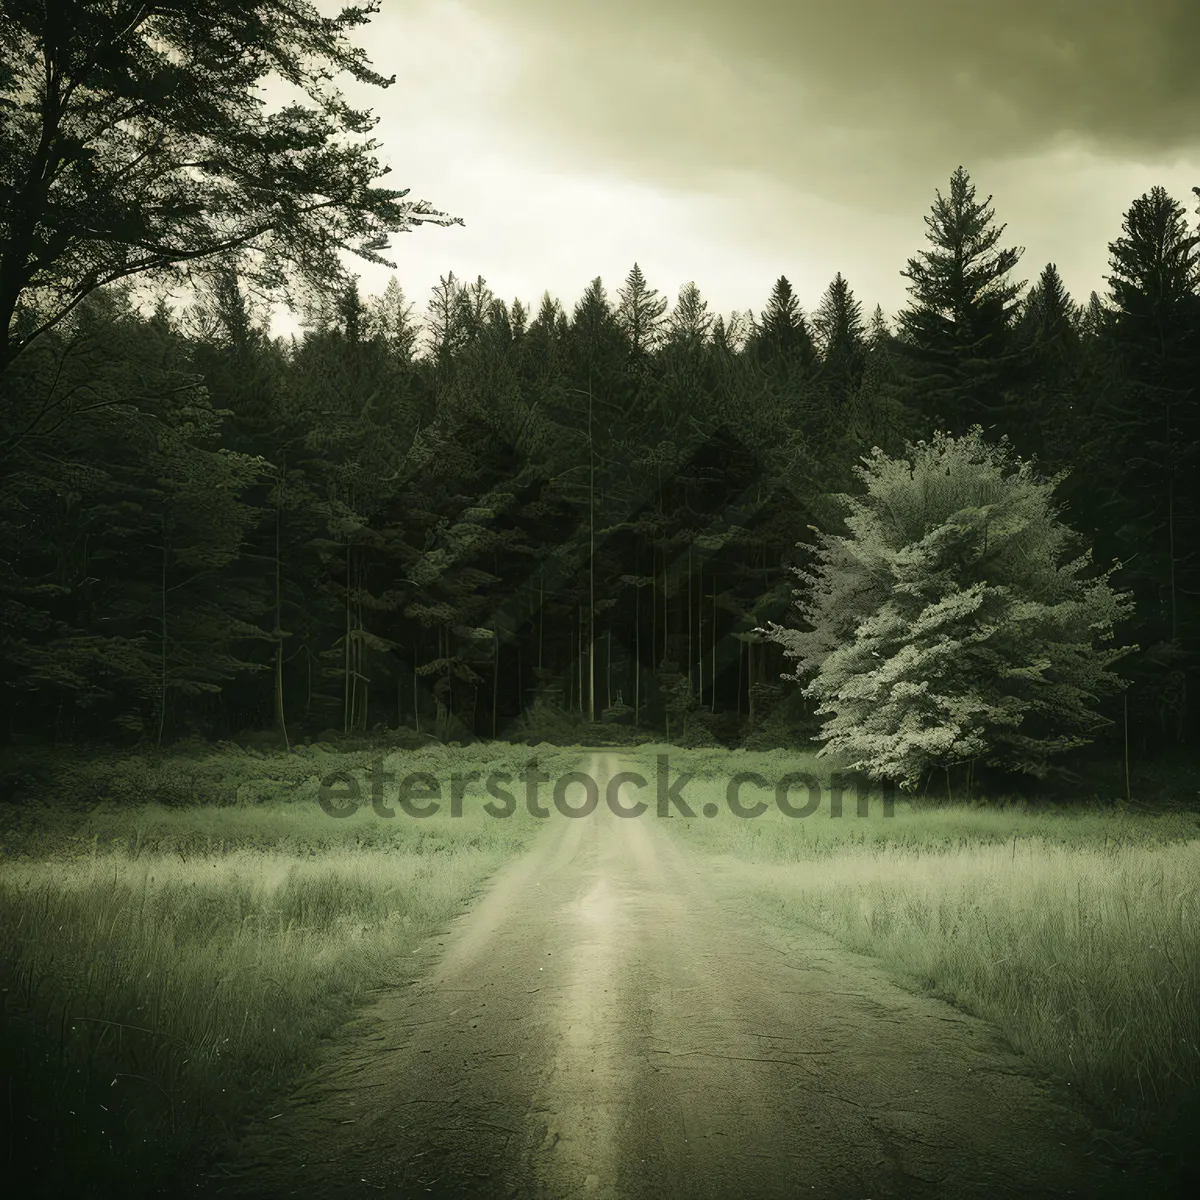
x=166 y=970
x=1077 y=933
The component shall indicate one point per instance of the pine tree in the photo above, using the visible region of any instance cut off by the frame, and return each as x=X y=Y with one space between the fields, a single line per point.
x=363 y=421
x=518 y=316
x=119 y=523
x=1095 y=318
x=955 y=333
x=595 y=344
x=390 y=317
x=830 y=431
x=640 y=312
x=729 y=337
x=473 y=305
x=690 y=321
x=840 y=337
x=544 y=344
x=680 y=393
x=444 y=321
x=1043 y=415
x=244 y=374
x=498 y=325
x=781 y=341
x=1142 y=455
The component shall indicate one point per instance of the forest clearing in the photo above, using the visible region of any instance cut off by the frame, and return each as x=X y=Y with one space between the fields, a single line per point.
x=173 y=972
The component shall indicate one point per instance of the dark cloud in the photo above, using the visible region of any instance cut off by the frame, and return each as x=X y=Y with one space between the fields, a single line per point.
x=840 y=98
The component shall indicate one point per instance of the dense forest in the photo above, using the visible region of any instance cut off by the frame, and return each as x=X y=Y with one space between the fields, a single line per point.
x=470 y=521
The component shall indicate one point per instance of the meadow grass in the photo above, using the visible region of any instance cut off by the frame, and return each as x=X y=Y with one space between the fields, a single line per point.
x=164 y=971
x=1075 y=932
x=167 y=969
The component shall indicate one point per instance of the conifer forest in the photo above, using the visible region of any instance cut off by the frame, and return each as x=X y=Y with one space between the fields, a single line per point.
x=454 y=517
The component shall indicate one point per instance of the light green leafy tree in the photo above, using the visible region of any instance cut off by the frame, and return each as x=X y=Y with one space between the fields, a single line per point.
x=957 y=621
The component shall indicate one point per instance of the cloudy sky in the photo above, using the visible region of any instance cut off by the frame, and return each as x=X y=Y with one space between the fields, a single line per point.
x=730 y=143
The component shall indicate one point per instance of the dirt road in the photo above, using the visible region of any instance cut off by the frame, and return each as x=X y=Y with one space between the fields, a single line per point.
x=603 y=1024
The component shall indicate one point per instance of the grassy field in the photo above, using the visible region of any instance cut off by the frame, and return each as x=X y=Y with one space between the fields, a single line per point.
x=168 y=967
x=1075 y=931
x=164 y=970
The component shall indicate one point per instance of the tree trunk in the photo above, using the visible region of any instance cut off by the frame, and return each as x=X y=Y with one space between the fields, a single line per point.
x=714 y=646
x=750 y=657
x=280 y=716
x=346 y=669
x=358 y=708
x=666 y=638
x=608 y=670
x=449 y=689
x=280 y=723
x=637 y=659
x=688 y=602
x=591 y=566
x=162 y=704
x=653 y=608
x=361 y=677
x=738 y=689
x=1171 y=535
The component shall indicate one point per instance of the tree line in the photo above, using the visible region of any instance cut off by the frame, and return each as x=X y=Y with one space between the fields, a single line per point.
x=496 y=513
